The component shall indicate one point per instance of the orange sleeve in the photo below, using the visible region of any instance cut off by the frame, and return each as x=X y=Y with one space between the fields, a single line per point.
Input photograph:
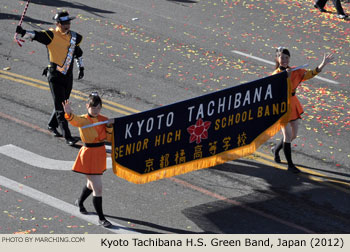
x=310 y=74
x=109 y=132
x=76 y=121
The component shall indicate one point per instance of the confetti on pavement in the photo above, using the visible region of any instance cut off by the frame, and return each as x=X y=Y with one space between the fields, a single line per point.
x=309 y=32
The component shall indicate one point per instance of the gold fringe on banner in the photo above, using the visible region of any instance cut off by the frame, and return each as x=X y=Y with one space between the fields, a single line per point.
x=220 y=158
x=134 y=177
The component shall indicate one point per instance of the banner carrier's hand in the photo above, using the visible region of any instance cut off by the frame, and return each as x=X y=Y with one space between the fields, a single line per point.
x=110 y=122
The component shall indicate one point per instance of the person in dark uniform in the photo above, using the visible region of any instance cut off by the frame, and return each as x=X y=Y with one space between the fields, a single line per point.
x=63 y=45
x=320 y=4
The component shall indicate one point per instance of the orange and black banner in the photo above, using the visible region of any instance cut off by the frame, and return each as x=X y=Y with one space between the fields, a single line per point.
x=199 y=132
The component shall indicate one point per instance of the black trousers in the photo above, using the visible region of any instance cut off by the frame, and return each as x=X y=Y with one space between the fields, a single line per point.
x=336 y=4
x=61 y=86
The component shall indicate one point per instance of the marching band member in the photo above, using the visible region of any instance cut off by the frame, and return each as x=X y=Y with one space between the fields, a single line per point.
x=290 y=130
x=63 y=45
x=91 y=159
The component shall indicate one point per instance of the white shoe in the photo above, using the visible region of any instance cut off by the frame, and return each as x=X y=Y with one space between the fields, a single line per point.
x=341 y=16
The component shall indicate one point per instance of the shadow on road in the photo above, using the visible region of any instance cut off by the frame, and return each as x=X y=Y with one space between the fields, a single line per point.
x=327 y=171
x=291 y=204
x=182 y=1
x=71 y=5
x=5 y=16
x=151 y=225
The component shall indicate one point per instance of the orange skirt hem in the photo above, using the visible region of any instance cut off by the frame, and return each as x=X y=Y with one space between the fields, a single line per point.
x=89 y=173
x=91 y=160
x=296 y=109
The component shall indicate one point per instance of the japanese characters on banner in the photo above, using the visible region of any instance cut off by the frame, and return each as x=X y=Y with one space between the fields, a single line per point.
x=199 y=132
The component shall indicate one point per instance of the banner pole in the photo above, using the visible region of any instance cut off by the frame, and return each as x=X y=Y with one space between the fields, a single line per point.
x=94 y=124
x=299 y=67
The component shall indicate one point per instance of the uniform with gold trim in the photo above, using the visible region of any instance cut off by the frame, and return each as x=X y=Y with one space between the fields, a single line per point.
x=63 y=46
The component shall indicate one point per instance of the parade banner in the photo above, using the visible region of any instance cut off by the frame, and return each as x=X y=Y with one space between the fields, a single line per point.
x=199 y=132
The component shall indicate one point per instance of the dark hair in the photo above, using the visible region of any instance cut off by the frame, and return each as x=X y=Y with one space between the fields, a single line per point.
x=280 y=50
x=94 y=100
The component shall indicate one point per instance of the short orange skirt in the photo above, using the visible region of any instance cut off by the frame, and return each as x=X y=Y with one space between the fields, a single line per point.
x=296 y=109
x=91 y=161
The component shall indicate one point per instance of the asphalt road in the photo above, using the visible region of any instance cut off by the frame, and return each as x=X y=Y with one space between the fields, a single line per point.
x=142 y=54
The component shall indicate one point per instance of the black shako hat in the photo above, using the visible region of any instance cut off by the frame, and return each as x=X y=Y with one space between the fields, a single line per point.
x=62 y=16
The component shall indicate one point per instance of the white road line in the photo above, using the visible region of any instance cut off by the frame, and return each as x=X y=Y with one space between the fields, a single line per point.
x=253 y=57
x=273 y=63
x=59 y=204
x=36 y=160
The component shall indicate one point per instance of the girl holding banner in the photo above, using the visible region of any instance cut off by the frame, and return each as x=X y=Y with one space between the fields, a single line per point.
x=91 y=159
x=290 y=130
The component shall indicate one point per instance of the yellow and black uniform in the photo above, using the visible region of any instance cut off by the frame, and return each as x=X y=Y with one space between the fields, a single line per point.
x=296 y=78
x=91 y=159
x=63 y=46
x=62 y=49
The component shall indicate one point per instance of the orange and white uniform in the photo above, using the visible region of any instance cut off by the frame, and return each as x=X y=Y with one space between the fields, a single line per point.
x=92 y=156
x=296 y=78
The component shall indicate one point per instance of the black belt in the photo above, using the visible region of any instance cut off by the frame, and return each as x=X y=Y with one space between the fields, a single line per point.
x=94 y=144
x=53 y=66
x=293 y=94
